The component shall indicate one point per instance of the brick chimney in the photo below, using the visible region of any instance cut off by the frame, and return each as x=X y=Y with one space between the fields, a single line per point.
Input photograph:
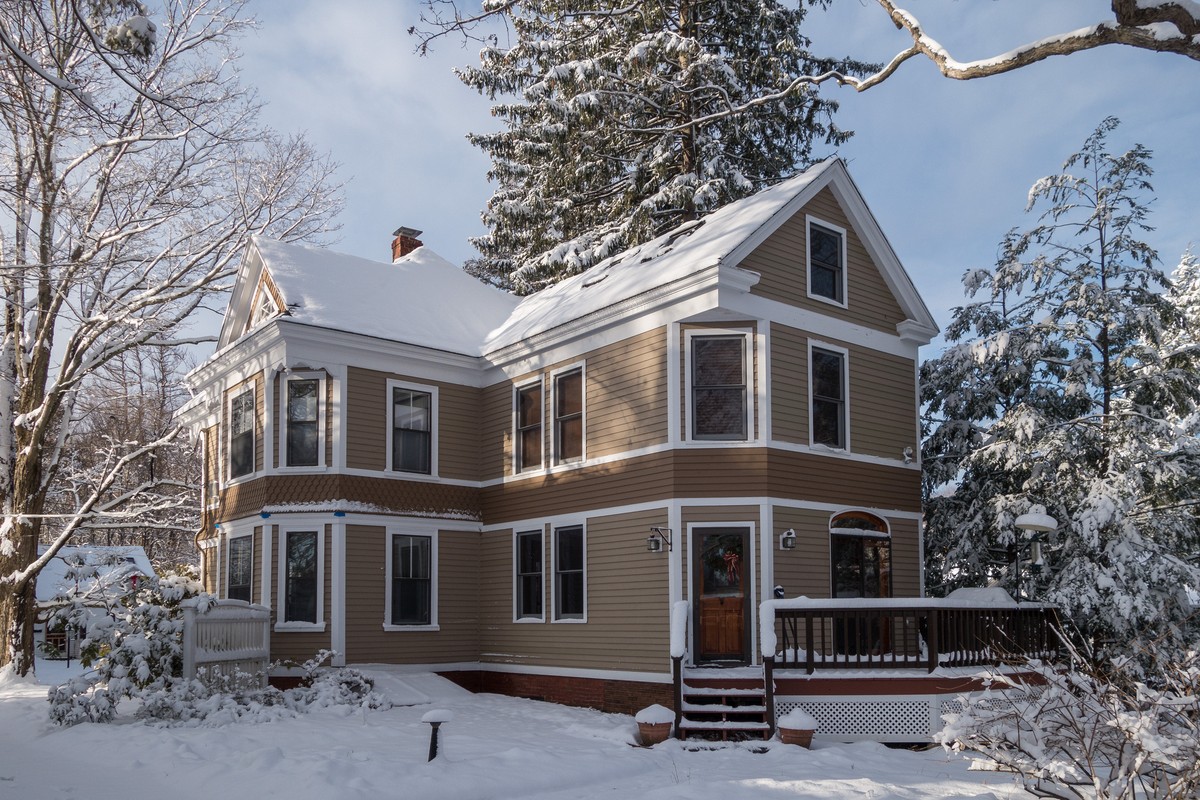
x=405 y=242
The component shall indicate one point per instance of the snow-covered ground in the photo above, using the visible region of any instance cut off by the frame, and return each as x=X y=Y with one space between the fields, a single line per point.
x=494 y=747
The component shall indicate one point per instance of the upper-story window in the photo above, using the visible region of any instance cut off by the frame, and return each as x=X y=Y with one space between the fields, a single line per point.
x=303 y=439
x=411 y=430
x=719 y=388
x=828 y=383
x=568 y=416
x=826 y=262
x=241 y=434
x=529 y=426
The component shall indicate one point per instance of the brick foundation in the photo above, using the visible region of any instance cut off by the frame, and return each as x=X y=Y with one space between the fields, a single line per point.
x=619 y=697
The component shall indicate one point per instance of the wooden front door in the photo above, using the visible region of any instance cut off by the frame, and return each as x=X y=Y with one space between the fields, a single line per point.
x=721 y=578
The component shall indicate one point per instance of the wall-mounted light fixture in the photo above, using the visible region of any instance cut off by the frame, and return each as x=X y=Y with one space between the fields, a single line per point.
x=787 y=540
x=657 y=538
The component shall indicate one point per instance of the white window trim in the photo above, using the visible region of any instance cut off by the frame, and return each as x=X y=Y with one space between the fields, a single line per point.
x=747 y=379
x=845 y=354
x=517 y=618
x=432 y=535
x=553 y=553
x=516 y=430
x=250 y=387
x=809 y=221
x=229 y=537
x=281 y=588
x=322 y=422
x=435 y=418
x=554 y=376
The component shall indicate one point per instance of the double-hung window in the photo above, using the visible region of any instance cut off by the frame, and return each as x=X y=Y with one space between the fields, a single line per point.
x=828 y=381
x=241 y=566
x=411 y=431
x=719 y=389
x=301 y=576
x=826 y=262
x=412 y=580
x=241 y=434
x=303 y=440
x=529 y=426
x=568 y=416
x=529 y=589
x=569 y=575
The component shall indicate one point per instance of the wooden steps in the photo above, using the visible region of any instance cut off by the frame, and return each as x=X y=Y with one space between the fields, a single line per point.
x=716 y=707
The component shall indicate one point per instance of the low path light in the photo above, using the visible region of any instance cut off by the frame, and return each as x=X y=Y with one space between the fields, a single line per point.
x=435 y=718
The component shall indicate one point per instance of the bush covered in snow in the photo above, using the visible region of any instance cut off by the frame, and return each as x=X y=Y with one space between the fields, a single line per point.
x=1094 y=731
x=133 y=642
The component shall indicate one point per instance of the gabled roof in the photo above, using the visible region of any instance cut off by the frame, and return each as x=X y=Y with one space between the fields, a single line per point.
x=425 y=300
x=114 y=565
x=421 y=299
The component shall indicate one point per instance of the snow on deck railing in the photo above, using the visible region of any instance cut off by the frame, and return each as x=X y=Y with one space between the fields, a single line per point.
x=229 y=642
x=679 y=622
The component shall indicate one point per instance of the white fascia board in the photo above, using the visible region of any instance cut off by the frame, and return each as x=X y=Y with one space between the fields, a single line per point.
x=260 y=351
x=238 y=311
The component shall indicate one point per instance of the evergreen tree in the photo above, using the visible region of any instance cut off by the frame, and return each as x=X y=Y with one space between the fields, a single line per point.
x=624 y=120
x=1060 y=389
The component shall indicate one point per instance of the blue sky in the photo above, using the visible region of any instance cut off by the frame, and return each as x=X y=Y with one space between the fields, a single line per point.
x=944 y=165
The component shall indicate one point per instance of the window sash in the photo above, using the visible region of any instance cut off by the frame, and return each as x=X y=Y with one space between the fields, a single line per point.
x=825 y=262
x=412 y=431
x=303 y=432
x=568 y=416
x=719 y=388
x=241 y=434
x=300 y=566
x=568 y=573
x=861 y=566
x=241 y=568
x=529 y=427
x=412 y=580
x=827 y=374
x=529 y=575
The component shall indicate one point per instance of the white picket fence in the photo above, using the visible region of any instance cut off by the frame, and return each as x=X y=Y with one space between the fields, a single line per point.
x=229 y=644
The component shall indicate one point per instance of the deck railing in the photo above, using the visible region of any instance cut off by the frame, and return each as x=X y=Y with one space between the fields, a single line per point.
x=229 y=645
x=899 y=633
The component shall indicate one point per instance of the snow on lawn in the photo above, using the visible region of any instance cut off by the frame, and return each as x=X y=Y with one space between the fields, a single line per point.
x=494 y=747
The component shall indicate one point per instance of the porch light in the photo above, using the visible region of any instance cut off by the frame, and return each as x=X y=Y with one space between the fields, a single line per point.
x=658 y=537
x=787 y=540
x=1036 y=525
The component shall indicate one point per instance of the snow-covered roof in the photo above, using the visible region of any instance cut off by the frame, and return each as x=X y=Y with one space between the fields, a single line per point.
x=421 y=299
x=114 y=564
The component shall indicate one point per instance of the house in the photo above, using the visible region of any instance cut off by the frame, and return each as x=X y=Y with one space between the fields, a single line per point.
x=92 y=574
x=411 y=467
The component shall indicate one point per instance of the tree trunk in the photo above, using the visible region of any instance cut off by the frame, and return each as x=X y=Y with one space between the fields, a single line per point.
x=18 y=607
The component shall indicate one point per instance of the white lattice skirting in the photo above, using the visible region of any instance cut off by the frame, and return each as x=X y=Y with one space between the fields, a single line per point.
x=908 y=718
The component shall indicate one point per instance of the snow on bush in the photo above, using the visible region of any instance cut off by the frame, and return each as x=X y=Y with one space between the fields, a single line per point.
x=1094 y=731
x=133 y=642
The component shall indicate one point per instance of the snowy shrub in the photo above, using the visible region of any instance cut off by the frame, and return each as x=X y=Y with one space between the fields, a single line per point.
x=1095 y=731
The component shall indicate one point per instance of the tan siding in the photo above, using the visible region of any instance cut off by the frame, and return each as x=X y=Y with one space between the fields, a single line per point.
x=789 y=385
x=627 y=395
x=366 y=574
x=627 y=624
x=211 y=565
x=456 y=418
x=906 y=558
x=427 y=498
x=256 y=566
x=781 y=261
x=495 y=441
x=299 y=646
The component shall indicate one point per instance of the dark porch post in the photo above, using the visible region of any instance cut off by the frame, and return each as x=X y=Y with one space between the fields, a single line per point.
x=769 y=694
x=677 y=692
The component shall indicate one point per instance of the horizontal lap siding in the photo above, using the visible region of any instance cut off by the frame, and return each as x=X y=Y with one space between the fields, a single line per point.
x=627 y=624
x=456 y=418
x=782 y=261
x=299 y=646
x=826 y=479
x=906 y=558
x=366 y=575
x=789 y=384
x=627 y=395
x=496 y=421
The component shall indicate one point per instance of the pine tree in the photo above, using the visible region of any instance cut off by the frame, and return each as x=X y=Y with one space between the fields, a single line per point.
x=617 y=124
x=1059 y=389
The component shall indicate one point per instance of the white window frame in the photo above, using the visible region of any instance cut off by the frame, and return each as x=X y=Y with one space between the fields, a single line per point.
x=845 y=356
x=230 y=537
x=263 y=307
x=434 y=418
x=251 y=388
x=281 y=588
x=747 y=380
x=322 y=421
x=553 y=553
x=517 y=467
x=555 y=459
x=517 y=534
x=809 y=221
x=432 y=535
